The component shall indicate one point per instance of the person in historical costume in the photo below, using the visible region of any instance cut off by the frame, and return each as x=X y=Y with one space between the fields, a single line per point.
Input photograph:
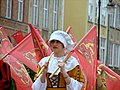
x=69 y=76
x=101 y=82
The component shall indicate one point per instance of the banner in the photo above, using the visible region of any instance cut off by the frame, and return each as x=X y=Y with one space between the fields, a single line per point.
x=41 y=48
x=87 y=53
x=18 y=36
x=69 y=31
x=5 y=44
x=18 y=71
x=25 y=52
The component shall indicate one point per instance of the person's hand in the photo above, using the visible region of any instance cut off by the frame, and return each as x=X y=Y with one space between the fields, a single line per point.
x=100 y=68
x=44 y=72
x=46 y=67
x=101 y=77
x=64 y=73
x=61 y=65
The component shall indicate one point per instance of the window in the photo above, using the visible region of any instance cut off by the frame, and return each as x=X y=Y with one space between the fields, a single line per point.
x=104 y=12
x=45 y=14
x=90 y=10
x=103 y=50
x=110 y=54
x=118 y=17
x=35 y=12
x=8 y=8
x=96 y=12
x=116 y=55
x=112 y=18
x=96 y=15
x=103 y=20
x=20 y=10
x=55 y=14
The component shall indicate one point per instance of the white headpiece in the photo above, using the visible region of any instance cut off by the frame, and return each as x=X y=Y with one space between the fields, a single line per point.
x=64 y=38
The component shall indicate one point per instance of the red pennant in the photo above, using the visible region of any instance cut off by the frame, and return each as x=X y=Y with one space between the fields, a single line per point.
x=18 y=36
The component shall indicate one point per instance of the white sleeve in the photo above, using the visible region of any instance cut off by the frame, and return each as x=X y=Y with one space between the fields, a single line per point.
x=74 y=85
x=38 y=85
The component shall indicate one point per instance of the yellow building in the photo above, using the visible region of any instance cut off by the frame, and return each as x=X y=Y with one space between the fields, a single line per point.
x=75 y=15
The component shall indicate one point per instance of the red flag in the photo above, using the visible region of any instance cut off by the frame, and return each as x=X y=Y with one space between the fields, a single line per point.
x=18 y=71
x=25 y=52
x=69 y=31
x=18 y=36
x=42 y=49
x=112 y=79
x=87 y=53
x=5 y=45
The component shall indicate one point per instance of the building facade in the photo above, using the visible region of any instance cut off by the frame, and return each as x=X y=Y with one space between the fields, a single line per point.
x=13 y=17
x=109 y=30
x=45 y=15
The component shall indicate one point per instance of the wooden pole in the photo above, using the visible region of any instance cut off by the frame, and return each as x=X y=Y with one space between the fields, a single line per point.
x=42 y=68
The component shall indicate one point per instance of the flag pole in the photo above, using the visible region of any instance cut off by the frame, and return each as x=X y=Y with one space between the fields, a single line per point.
x=98 y=41
x=99 y=5
x=37 y=75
